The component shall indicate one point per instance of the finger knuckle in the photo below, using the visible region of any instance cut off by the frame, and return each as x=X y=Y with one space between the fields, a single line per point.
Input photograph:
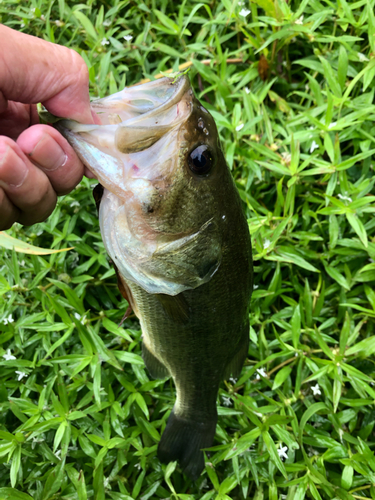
x=5 y=143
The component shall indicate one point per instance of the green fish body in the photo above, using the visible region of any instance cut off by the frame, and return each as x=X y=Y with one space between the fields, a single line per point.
x=172 y=221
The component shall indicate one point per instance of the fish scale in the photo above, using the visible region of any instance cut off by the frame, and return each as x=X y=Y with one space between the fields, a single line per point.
x=176 y=232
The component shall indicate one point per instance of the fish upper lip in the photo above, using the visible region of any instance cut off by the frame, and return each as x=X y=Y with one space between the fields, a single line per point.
x=181 y=86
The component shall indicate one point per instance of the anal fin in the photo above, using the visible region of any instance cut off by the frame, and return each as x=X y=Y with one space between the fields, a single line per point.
x=153 y=365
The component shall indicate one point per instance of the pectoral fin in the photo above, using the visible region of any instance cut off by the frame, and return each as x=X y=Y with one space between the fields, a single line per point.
x=191 y=260
x=176 y=307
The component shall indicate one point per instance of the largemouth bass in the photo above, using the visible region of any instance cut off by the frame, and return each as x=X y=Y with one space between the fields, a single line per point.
x=172 y=222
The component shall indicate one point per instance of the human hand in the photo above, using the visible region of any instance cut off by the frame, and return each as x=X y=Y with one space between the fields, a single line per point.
x=36 y=162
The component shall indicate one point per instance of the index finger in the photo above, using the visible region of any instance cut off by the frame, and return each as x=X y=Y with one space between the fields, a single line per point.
x=33 y=70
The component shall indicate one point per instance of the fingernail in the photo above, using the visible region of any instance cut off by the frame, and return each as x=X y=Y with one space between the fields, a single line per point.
x=13 y=170
x=47 y=154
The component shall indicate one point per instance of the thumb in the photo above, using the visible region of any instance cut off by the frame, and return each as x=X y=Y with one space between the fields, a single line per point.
x=33 y=70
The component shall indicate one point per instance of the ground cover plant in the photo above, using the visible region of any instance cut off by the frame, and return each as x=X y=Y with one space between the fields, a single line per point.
x=291 y=86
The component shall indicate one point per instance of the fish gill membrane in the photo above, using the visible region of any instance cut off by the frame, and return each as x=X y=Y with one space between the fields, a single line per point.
x=172 y=222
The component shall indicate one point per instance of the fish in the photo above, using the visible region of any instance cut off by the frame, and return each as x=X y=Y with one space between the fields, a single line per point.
x=173 y=224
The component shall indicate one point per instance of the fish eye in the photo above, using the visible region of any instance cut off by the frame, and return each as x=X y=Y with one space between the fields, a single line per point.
x=201 y=160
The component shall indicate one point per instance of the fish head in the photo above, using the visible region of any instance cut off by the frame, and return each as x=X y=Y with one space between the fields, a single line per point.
x=157 y=154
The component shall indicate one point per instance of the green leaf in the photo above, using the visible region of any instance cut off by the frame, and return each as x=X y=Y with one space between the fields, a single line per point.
x=288 y=254
x=347 y=477
x=13 y=494
x=358 y=227
x=15 y=467
x=330 y=77
x=7 y=241
x=314 y=408
x=342 y=67
x=272 y=450
x=281 y=376
x=86 y=23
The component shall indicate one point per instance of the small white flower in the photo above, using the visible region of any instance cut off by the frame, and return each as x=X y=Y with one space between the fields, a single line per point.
x=299 y=20
x=261 y=372
x=138 y=466
x=239 y=127
x=36 y=440
x=106 y=482
x=362 y=57
x=74 y=203
x=287 y=157
x=316 y=390
x=128 y=38
x=344 y=198
x=8 y=356
x=226 y=401
x=82 y=319
x=233 y=380
x=59 y=23
x=58 y=454
x=104 y=42
x=247 y=90
x=282 y=451
x=313 y=147
x=331 y=125
x=266 y=244
x=22 y=25
x=20 y=375
x=9 y=319
x=255 y=287
x=244 y=12
x=107 y=22
x=42 y=17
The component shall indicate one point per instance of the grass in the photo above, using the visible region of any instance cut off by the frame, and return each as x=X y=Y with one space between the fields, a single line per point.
x=85 y=419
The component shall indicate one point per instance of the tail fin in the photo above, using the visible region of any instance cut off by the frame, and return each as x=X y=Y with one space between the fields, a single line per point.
x=183 y=440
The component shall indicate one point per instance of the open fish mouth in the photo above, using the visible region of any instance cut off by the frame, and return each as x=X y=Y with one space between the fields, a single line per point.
x=138 y=127
x=138 y=153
